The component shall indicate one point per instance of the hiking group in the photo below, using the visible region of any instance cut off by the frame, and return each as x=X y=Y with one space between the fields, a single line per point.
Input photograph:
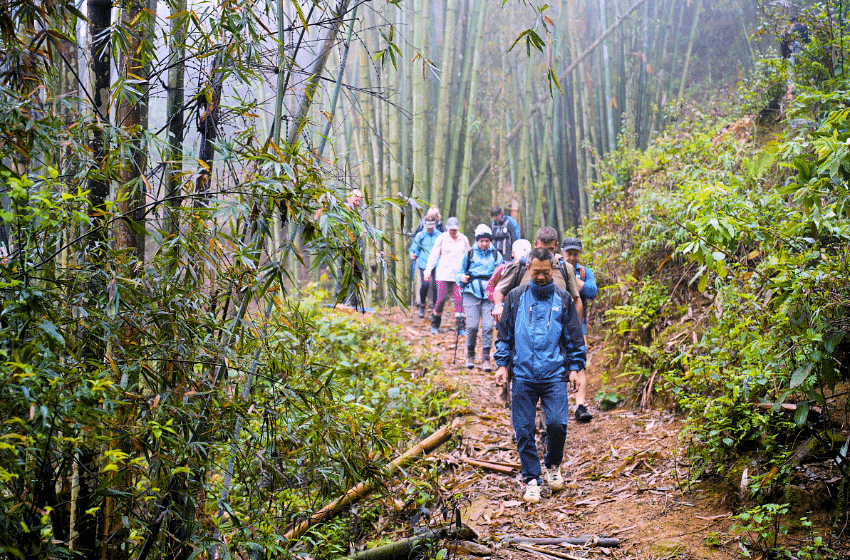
x=539 y=298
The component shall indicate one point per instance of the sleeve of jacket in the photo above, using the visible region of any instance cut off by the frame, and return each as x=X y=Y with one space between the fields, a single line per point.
x=505 y=334
x=589 y=289
x=510 y=278
x=515 y=227
x=416 y=246
x=435 y=253
x=464 y=265
x=572 y=338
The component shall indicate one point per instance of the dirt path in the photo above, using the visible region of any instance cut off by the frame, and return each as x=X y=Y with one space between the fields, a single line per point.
x=623 y=473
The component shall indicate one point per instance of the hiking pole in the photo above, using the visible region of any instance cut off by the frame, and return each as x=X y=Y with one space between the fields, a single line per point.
x=457 y=337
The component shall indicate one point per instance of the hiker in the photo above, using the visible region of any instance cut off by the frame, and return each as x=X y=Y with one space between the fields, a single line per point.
x=519 y=250
x=516 y=273
x=354 y=202
x=540 y=340
x=790 y=47
x=447 y=256
x=477 y=268
x=571 y=251
x=420 y=250
x=505 y=231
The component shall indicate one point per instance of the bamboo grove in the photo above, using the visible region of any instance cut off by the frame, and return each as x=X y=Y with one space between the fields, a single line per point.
x=467 y=104
x=174 y=177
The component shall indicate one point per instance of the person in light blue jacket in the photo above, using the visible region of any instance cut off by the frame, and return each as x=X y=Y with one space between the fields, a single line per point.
x=420 y=250
x=571 y=250
x=478 y=266
x=540 y=338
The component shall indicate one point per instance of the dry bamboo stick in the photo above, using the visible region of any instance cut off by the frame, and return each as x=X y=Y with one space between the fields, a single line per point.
x=502 y=468
x=365 y=488
x=581 y=541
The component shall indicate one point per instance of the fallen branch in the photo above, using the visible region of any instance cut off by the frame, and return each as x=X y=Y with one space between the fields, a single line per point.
x=499 y=467
x=580 y=541
x=406 y=548
x=365 y=488
x=545 y=552
x=400 y=549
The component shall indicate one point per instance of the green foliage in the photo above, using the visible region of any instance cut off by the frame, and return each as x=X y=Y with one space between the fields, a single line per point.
x=723 y=259
x=608 y=400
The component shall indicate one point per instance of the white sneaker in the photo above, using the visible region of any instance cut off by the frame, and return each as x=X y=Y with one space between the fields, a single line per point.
x=554 y=479
x=532 y=492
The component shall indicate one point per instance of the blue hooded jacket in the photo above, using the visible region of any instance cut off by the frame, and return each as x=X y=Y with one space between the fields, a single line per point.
x=540 y=334
x=480 y=269
x=422 y=245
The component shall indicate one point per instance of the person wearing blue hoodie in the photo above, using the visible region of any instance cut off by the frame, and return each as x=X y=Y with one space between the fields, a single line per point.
x=540 y=339
x=571 y=250
x=420 y=250
x=478 y=266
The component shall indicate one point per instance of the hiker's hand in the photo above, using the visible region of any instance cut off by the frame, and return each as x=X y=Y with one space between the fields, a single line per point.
x=572 y=384
x=464 y=278
x=427 y=277
x=497 y=311
x=413 y=256
x=501 y=376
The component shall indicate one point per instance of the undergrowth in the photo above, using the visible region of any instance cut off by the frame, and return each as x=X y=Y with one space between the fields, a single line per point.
x=722 y=256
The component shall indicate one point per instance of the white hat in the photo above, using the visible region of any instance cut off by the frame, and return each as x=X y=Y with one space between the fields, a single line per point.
x=521 y=248
x=483 y=230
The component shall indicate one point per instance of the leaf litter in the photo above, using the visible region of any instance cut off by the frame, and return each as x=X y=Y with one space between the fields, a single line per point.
x=625 y=471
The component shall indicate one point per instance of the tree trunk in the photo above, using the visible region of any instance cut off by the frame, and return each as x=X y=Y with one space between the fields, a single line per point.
x=130 y=114
x=419 y=80
x=100 y=21
x=463 y=196
x=444 y=104
x=693 y=34
x=175 y=114
x=316 y=72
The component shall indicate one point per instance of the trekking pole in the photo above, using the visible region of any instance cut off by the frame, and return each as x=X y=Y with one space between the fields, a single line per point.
x=457 y=337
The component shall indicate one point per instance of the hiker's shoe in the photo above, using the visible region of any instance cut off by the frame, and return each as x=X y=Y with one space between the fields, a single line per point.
x=470 y=362
x=421 y=312
x=485 y=364
x=582 y=415
x=434 y=330
x=532 y=492
x=554 y=479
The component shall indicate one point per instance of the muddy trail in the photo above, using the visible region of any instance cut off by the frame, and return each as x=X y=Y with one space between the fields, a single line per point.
x=625 y=474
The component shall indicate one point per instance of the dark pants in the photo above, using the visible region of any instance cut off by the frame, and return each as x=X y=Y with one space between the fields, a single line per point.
x=425 y=288
x=553 y=399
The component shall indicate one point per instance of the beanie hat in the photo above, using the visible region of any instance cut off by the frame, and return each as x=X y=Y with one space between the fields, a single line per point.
x=521 y=248
x=483 y=232
x=571 y=243
x=452 y=223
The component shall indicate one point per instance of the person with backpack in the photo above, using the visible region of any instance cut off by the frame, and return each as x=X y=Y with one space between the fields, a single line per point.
x=505 y=231
x=571 y=250
x=477 y=268
x=444 y=262
x=516 y=273
x=540 y=340
x=420 y=250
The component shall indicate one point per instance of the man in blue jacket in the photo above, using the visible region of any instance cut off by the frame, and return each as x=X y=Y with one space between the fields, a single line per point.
x=540 y=338
x=571 y=251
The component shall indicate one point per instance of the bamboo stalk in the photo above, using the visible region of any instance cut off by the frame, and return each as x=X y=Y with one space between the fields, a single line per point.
x=365 y=488
x=561 y=78
x=463 y=194
x=578 y=541
x=694 y=24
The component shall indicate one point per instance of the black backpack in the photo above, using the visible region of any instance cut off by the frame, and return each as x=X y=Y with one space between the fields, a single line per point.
x=502 y=239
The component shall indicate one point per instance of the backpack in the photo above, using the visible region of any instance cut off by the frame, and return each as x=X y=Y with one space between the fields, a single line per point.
x=502 y=238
